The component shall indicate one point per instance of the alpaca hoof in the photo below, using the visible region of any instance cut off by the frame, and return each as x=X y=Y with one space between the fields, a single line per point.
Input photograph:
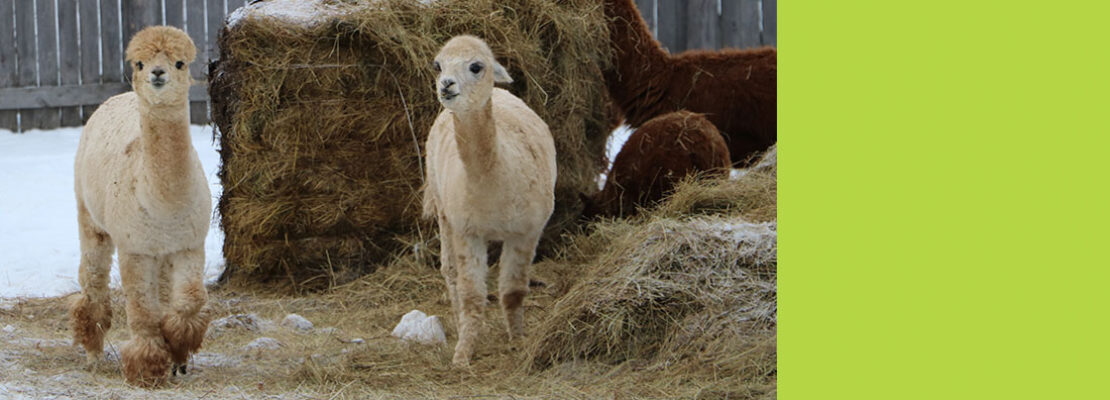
x=178 y=367
x=183 y=336
x=460 y=360
x=145 y=361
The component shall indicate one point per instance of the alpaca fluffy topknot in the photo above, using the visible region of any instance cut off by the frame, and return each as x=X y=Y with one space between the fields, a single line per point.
x=161 y=39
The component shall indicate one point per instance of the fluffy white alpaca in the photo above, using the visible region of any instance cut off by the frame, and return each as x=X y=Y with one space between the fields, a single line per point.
x=140 y=189
x=491 y=177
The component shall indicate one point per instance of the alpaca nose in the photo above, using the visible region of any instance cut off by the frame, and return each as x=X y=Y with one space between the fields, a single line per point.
x=447 y=83
x=158 y=72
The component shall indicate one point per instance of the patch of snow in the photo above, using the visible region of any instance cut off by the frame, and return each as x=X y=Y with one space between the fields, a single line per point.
x=613 y=146
x=206 y=359
x=306 y=13
x=419 y=327
x=297 y=323
x=39 y=249
x=9 y=329
x=251 y=322
x=357 y=341
x=35 y=342
x=263 y=343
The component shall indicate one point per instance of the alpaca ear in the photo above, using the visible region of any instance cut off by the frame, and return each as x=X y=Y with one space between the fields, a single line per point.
x=500 y=75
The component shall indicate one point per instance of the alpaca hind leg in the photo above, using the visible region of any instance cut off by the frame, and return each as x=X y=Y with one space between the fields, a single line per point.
x=146 y=356
x=471 y=256
x=512 y=282
x=184 y=325
x=91 y=311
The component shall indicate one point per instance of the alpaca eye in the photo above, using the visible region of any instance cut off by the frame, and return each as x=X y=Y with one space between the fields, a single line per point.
x=140 y=65
x=180 y=64
x=476 y=68
x=435 y=65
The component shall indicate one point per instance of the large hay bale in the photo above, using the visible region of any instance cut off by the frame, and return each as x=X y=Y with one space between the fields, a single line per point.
x=324 y=106
x=689 y=286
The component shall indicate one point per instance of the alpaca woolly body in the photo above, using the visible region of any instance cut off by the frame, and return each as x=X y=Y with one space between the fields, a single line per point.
x=141 y=190
x=662 y=152
x=490 y=177
x=735 y=89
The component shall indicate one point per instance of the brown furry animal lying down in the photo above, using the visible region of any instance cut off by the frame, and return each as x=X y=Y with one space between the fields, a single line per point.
x=656 y=157
x=735 y=89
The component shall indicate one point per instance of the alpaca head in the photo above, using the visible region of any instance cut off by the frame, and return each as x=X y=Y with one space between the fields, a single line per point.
x=467 y=71
x=159 y=58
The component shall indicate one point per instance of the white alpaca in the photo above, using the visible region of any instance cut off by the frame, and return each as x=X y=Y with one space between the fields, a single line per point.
x=491 y=177
x=140 y=189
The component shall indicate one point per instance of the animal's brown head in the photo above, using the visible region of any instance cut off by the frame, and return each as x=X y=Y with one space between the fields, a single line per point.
x=467 y=71
x=159 y=57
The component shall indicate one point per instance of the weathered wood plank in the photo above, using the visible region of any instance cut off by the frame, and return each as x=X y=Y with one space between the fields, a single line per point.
x=672 y=25
x=111 y=49
x=33 y=97
x=770 y=23
x=195 y=22
x=90 y=53
x=740 y=23
x=647 y=10
x=27 y=72
x=175 y=13
x=8 y=66
x=46 y=20
x=69 y=60
x=703 y=29
x=215 y=13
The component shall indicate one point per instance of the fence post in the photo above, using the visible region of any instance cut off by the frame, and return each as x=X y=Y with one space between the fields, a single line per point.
x=770 y=22
x=69 y=60
x=90 y=54
x=195 y=22
x=672 y=25
x=26 y=74
x=740 y=21
x=703 y=25
x=8 y=118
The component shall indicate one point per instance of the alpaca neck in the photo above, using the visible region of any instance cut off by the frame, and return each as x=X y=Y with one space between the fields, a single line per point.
x=166 y=153
x=638 y=58
x=476 y=136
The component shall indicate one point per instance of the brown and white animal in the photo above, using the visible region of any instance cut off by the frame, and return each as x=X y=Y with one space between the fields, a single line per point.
x=490 y=177
x=661 y=152
x=141 y=190
x=735 y=89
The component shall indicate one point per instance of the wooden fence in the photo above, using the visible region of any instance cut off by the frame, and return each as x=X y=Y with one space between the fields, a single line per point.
x=59 y=59
x=711 y=24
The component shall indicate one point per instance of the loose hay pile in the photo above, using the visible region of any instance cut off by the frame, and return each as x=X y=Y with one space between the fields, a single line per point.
x=689 y=287
x=324 y=107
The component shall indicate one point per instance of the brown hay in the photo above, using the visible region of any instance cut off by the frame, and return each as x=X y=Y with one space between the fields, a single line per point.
x=689 y=287
x=323 y=124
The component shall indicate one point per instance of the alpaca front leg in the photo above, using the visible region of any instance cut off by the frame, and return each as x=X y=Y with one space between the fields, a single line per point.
x=145 y=357
x=512 y=282
x=472 y=295
x=90 y=313
x=448 y=267
x=184 y=325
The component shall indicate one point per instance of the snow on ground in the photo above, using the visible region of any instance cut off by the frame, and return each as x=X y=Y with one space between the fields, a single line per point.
x=39 y=250
x=613 y=146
